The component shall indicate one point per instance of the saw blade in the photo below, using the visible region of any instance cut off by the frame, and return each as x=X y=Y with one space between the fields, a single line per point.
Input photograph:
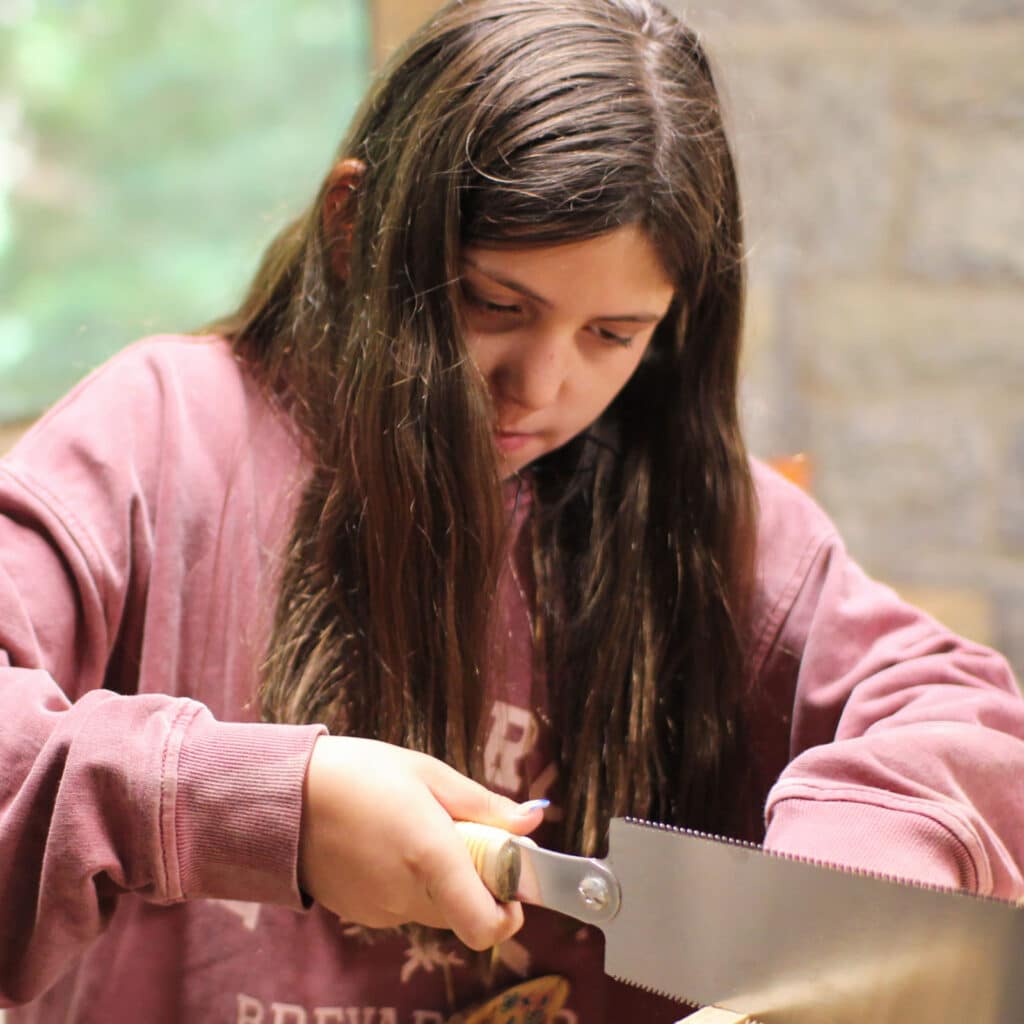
x=715 y=922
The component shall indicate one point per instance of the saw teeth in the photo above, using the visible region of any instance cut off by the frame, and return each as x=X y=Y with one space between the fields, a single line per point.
x=740 y=1018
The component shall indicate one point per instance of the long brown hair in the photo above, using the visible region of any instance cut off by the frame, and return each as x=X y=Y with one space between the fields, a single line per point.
x=520 y=122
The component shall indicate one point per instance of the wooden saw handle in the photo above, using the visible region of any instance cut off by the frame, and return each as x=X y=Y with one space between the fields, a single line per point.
x=495 y=855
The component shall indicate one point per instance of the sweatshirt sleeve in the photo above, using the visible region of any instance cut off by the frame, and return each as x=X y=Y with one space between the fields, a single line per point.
x=105 y=790
x=907 y=741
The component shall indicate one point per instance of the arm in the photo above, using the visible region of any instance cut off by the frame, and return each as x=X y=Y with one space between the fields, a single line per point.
x=103 y=793
x=907 y=741
x=115 y=777
x=116 y=794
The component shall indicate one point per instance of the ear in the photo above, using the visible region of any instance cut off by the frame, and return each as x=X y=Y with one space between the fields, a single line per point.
x=339 y=210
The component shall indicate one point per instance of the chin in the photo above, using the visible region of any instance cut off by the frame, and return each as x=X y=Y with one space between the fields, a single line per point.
x=510 y=467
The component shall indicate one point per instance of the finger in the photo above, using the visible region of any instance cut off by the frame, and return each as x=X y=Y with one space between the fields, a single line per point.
x=431 y=910
x=466 y=800
x=428 y=913
x=424 y=912
x=460 y=896
x=513 y=919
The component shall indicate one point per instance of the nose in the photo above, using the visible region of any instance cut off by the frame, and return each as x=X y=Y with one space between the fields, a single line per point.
x=531 y=372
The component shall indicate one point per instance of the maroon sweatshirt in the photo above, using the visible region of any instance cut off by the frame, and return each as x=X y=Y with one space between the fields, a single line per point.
x=149 y=823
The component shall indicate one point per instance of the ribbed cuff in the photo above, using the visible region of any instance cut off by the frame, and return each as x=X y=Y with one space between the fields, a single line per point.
x=906 y=844
x=233 y=809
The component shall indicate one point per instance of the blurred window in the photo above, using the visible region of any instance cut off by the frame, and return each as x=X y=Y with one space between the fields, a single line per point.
x=148 y=152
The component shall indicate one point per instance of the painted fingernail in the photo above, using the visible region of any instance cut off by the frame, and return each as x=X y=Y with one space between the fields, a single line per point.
x=533 y=805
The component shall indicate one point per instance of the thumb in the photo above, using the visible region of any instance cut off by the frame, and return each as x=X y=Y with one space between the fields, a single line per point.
x=466 y=800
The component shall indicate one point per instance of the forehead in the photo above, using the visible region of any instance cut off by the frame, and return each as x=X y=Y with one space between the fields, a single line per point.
x=623 y=262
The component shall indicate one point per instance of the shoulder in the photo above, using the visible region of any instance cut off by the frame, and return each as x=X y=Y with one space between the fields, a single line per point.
x=787 y=515
x=166 y=373
x=793 y=533
x=166 y=397
x=169 y=425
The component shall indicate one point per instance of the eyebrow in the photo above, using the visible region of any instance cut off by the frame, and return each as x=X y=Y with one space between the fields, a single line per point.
x=522 y=289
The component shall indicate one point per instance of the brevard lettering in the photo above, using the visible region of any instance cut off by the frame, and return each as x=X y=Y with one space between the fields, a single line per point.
x=254 y=1011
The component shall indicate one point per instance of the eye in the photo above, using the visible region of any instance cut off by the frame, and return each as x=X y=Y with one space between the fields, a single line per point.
x=625 y=340
x=497 y=307
x=487 y=306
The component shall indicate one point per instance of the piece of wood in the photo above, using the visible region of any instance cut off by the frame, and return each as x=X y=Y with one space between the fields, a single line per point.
x=715 y=1015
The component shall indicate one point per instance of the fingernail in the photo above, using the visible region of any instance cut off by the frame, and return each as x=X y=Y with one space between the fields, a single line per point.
x=533 y=805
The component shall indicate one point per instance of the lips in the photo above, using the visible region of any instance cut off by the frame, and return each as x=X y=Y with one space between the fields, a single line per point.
x=511 y=440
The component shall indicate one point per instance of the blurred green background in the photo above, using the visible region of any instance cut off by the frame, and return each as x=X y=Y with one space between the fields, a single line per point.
x=148 y=152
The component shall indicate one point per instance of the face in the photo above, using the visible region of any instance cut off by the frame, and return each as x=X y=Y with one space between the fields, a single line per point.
x=557 y=332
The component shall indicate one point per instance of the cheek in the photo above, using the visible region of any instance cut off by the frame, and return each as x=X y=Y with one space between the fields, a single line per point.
x=618 y=377
x=480 y=354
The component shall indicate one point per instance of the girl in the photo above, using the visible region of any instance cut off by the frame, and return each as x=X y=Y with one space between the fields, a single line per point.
x=452 y=515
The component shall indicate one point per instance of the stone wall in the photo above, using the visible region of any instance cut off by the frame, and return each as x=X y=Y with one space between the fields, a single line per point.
x=881 y=152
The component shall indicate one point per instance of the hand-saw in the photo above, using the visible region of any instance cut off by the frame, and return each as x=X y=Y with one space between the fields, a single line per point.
x=715 y=922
